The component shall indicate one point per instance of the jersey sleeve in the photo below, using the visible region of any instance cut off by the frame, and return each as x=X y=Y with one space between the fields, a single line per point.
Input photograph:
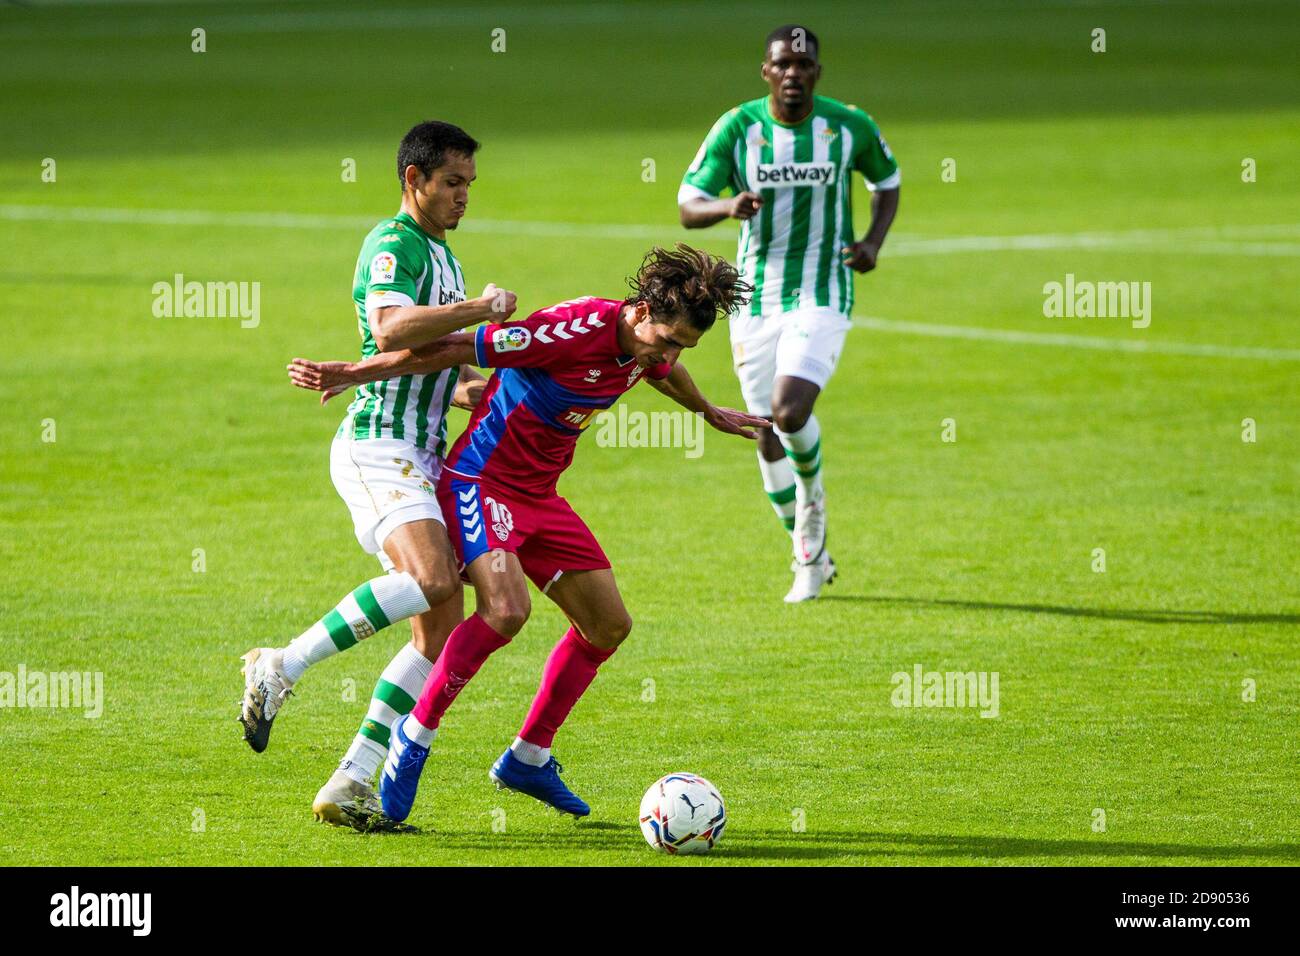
x=874 y=160
x=713 y=168
x=540 y=341
x=391 y=266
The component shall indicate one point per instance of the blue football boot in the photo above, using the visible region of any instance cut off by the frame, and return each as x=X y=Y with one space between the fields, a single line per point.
x=541 y=783
x=401 y=774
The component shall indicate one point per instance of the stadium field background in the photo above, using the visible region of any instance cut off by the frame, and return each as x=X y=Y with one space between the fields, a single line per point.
x=1162 y=692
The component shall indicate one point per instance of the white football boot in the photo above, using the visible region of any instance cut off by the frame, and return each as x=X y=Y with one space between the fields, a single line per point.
x=344 y=802
x=809 y=579
x=266 y=687
x=810 y=530
x=812 y=566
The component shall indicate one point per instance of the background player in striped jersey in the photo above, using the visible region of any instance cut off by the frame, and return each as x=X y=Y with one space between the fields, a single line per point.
x=557 y=369
x=788 y=159
x=385 y=461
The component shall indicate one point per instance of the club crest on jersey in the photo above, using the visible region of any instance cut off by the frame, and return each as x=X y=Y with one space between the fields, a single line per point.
x=383 y=267
x=511 y=338
x=794 y=174
x=577 y=416
x=503 y=522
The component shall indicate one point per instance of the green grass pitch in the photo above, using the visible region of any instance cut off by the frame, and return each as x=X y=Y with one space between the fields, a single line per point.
x=1123 y=691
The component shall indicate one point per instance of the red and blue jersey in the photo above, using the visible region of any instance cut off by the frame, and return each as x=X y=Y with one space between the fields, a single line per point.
x=556 y=370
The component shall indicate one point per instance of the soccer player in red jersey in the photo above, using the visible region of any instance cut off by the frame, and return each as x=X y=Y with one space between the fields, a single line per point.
x=557 y=369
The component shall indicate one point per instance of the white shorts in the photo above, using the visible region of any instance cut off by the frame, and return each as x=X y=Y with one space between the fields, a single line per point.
x=803 y=343
x=386 y=483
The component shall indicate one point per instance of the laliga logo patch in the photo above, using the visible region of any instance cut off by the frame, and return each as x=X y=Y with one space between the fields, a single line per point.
x=511 y=338
x=383 y=267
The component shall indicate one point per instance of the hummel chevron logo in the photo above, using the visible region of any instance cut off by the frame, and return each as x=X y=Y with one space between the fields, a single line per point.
x=471 y=538
x=577 y=326
x=595 y=321
x=466 y=495
x=559 y=331
x=467 y=509
x=540 y=334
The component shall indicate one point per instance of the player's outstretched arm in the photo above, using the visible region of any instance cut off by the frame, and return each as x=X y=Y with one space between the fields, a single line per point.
x=681 y=388
x=331 y=378
x=410 y=326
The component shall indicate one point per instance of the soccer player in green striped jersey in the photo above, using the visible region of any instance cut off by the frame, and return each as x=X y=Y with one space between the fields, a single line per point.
x=409 y=290
x=788 y=159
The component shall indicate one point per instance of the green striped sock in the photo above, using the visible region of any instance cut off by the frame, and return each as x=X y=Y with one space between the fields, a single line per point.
x=783 y=504
x=370 y=608
x=394 y=695
x=804 y=450
x=778 y=484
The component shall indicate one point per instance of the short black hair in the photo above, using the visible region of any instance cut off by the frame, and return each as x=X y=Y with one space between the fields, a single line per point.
x=788 y=34
x=427 y=144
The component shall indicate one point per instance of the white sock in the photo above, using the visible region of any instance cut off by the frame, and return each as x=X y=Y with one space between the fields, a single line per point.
x=778 y=482
x=419 y=733
x=372 y=607
x=530 y=754
x=363 y=759
x=803 y=448
x=395 y=694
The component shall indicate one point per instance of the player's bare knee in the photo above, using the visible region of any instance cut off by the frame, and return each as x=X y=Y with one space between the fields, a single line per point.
x=507 y=615
x=438 y=586
x=790 y=417
x=609 y=634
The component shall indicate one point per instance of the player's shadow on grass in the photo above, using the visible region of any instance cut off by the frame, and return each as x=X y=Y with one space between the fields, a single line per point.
x=907 y=848
x=1110 y=614
x=588 y=835
x=851 y=847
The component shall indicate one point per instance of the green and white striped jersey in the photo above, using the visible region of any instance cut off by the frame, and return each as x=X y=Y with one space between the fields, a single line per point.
x=790 y=251
x=400 y=264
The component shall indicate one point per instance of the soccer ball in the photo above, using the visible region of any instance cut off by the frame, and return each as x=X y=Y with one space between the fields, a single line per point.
x=682 y=813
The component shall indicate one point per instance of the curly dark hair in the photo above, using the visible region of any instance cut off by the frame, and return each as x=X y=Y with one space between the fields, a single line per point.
x=685 y=283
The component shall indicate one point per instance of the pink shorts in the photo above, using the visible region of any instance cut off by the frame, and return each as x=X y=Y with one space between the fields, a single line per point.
x=546 y=535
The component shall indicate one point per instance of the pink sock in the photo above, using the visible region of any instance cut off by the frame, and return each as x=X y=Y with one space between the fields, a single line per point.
x=568 y=673
x=467 y=647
